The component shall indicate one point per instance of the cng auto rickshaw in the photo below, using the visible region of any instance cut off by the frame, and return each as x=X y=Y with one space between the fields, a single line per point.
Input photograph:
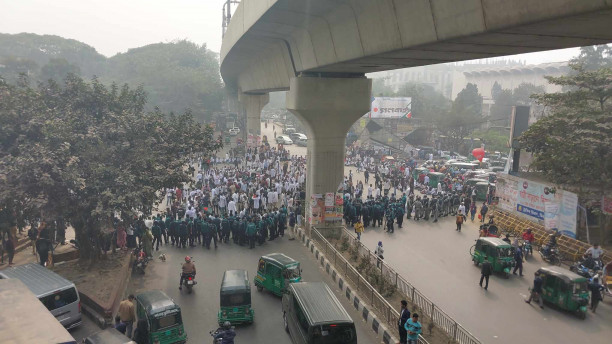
x=275 y=271
x=498 y=252
x=435 y=178
x=235 y=298
x=418 y=171
x=163 y=317
x=565 y=289
x=481 y=191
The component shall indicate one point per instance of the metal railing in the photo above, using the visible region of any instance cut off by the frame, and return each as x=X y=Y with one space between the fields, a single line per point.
x=387 y=313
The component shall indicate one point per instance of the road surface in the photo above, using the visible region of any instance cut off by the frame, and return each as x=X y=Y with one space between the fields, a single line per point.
x=435 y=259
x=200 y=308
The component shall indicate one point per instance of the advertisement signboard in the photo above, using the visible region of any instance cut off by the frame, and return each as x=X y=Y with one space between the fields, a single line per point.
x=391 y=107
x=556 y=208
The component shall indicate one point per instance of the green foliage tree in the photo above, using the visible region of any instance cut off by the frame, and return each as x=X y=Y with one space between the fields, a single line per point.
x=427 y=103
x=501 y=110
x=59 y=69
x=177 y=76
x=86 y=152
x=573 y=144
x=464 y=117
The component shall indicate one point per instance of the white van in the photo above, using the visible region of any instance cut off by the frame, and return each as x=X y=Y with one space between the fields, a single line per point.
x=58 y=294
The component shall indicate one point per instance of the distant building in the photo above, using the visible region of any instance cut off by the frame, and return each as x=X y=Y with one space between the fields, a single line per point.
x=450 y=79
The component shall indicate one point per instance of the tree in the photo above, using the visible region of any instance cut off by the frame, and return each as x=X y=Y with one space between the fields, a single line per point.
x=58 y=69
x=427 y=103
x=468 y=101
x=86 y=152
x=465 y=116
x=594 y=57
x=495 y=90
x=177 y=76
x=573 y=144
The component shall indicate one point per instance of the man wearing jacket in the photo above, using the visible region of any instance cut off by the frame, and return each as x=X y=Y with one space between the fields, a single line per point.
x=485 y=272
x=401 y=322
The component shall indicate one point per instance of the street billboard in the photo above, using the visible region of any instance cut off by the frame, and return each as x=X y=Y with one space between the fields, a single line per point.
x=391 y=107
x=554 y=208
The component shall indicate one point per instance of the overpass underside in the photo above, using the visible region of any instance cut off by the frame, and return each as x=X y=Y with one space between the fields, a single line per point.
x=320 y=50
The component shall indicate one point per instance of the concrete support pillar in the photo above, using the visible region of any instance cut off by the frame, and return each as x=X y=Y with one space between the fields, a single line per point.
x=328 y=107
x=252 y=106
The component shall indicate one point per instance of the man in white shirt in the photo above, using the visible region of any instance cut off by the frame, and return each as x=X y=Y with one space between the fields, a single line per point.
x=595 y=251
x=231 y=207
x=222 y=203
x=370 y=191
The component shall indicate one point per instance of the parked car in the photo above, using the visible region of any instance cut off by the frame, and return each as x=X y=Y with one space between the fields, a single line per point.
x=284 y=139
x=302 y=142
x=234 y=131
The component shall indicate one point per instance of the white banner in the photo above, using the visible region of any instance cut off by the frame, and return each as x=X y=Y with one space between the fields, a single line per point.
x=391 y=107
x=556 y=208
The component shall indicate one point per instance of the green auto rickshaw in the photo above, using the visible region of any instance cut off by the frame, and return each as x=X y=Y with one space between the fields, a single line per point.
x=565 y=289
x=163 y=317
x=275 y=271
x=498 y=252
x=418 y=171
x=474 y=181
x=235 y=298
x=481 y=191
x=435 y=178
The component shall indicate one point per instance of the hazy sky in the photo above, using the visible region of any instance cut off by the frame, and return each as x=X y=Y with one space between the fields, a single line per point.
x=114 y=26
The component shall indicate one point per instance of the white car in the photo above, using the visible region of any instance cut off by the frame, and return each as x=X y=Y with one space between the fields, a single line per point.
x=284 y=139
x=234 y=131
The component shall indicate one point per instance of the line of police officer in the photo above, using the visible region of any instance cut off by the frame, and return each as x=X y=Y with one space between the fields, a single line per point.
x=206 y=228
x=393 y=210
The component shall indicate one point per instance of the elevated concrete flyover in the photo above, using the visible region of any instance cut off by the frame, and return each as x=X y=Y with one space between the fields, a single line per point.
x=270 y=41
x=321 y=49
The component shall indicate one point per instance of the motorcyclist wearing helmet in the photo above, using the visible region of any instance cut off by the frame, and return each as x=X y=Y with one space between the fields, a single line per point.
x=188 y=269
x=226 y=333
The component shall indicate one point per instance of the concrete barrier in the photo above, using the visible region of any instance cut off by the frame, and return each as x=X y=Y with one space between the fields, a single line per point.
x=382 y=332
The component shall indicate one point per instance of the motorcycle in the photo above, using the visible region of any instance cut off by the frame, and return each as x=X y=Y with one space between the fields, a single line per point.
x=582 y=270
x=219 y=340
x=189 y=282
x=550 y=254
x=141 y=260
x=527 y=248
x=587 y=268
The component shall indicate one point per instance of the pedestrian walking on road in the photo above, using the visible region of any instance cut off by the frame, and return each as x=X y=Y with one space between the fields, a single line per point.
x=414 y=328
x=127 y=314
x=401 y=322
x=536 y=291
x=379 y=253
x=358 y=229
x=459 y=221
x=483 y=212
x=518 y=258
x=596 y=288
x=141 y=335
x=32 y=234
x=473 y=210
x=485 y=272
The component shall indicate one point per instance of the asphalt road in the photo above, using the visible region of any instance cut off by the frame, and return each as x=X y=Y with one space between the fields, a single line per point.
x=87 y=328
x=200 y=308
x=435 y=259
